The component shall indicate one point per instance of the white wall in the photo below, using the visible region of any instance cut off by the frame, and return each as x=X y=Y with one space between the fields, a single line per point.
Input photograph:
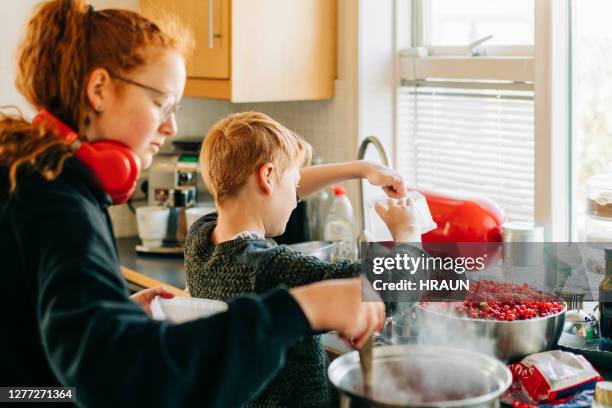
x=13 y=18
x=12 y=24
x=376 y=71
x=377 y=86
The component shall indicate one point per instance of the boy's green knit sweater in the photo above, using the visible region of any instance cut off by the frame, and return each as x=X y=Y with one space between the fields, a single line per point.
x=252 y=264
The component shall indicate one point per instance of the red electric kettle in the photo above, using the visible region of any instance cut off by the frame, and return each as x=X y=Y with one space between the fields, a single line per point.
x=467 y=226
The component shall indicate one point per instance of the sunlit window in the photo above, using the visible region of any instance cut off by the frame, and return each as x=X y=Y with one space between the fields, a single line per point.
x=454 y=23
x=475 y=135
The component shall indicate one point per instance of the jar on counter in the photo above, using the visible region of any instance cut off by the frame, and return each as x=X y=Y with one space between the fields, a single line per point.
x=523 y=253
x=598 y=226
x=598 y=223
x=603 y=395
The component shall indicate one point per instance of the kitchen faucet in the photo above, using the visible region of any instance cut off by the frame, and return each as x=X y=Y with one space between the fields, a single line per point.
x=363 y=147
x=473 y=48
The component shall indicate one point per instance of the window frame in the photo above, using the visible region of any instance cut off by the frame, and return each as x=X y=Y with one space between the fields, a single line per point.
x=547 y=70
x=419 y=11
x=553 y=119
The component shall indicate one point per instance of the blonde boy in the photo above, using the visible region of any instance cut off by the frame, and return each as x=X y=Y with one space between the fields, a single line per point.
x=253 y=167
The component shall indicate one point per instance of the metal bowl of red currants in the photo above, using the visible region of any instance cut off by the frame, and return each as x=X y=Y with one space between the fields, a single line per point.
x=507 y=320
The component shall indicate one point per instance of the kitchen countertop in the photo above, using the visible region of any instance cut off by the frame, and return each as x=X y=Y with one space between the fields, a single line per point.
x=169 y=269
x=149 y=270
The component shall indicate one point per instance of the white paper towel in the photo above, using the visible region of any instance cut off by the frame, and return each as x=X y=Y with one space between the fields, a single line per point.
x=375 y=228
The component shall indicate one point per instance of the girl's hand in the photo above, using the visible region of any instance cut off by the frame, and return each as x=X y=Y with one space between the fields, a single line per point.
x=401 y=218
x=338 y=305
x=390 y=180
x=146 y=296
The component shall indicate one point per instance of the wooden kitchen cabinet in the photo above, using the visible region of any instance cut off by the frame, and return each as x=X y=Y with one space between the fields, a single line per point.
x=258 y=50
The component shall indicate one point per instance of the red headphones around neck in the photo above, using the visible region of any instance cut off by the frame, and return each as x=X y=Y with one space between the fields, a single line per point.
x=115 y=165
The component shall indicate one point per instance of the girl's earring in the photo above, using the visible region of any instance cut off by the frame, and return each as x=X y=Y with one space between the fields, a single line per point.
x=100 y=108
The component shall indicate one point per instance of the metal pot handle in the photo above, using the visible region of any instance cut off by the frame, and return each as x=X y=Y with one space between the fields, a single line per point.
x=386 y=332
x=405 y=333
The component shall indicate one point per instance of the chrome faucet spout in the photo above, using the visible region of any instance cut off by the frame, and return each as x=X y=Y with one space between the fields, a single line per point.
x=377 y=144
x=363 y=147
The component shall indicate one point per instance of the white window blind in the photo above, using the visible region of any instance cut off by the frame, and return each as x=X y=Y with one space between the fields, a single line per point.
x=465 y=140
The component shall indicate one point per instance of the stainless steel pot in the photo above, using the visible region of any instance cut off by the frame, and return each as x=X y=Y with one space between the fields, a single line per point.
x=508 y=341
x=324 y=250
x=421 y=376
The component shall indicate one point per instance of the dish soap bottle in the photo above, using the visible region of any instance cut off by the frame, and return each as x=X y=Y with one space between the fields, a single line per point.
x=605 y=306
x=340 y=225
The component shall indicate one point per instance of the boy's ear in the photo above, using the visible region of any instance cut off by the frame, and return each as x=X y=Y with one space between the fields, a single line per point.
x=265 y=177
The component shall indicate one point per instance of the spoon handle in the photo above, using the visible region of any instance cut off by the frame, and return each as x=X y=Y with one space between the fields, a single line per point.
x=365 y=360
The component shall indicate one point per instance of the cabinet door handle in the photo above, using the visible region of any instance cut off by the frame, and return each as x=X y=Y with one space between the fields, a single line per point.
x=211 y=10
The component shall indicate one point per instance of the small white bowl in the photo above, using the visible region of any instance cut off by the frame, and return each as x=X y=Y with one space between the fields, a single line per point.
x=184 y=309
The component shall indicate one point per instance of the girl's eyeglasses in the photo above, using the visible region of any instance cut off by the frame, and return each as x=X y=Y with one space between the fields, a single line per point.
x=167 y=108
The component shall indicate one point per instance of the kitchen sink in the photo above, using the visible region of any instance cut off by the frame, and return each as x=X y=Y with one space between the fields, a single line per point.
x=324 y=250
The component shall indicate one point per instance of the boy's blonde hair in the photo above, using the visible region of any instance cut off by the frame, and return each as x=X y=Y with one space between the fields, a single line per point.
x=237 y=145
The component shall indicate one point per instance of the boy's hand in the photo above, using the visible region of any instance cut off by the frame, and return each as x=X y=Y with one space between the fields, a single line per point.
x=401 y=218
x=337 y=305
x=390 y=180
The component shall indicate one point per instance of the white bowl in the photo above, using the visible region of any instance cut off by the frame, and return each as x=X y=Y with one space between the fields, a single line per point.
x=183 y=309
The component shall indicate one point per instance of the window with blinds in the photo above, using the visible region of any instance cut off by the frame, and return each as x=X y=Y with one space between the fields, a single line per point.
x=467 y=140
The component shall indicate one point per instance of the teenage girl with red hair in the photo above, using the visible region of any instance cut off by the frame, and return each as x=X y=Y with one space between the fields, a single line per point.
x=106 y=85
